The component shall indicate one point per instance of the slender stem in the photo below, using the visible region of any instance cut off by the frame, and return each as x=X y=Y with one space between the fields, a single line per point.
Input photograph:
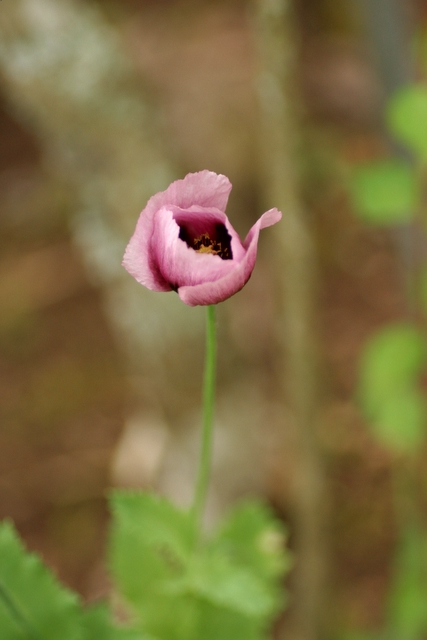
x=16 y=614
x=208 y=409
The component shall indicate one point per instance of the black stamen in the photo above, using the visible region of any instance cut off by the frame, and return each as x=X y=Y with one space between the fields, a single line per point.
x=218 y=242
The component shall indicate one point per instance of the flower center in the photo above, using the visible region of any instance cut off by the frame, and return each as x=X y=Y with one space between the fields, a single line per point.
x=204 y=244
x=216 y=241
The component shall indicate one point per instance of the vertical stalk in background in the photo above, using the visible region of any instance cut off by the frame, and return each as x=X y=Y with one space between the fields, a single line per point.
x=389 y=25
x=208 y=410
x=296 y=268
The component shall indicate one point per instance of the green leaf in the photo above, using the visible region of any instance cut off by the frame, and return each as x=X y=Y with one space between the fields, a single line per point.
x=213 y=576
x=98 y=625
x=385 y=191
x=154 y=519
x=169 y=616
x=151 y=543
x=407 y=117
x=401 y=424
x=217 y=623
x=242 y=571
x=255 y=538
x=226 y=589
x=390 y=363
x=49 y=610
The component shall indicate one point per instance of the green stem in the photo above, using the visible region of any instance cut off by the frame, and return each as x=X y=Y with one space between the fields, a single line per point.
x=208 y=409
x=16 y=614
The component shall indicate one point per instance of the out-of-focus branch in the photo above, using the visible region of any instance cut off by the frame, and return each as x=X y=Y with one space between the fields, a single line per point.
x=297 y=267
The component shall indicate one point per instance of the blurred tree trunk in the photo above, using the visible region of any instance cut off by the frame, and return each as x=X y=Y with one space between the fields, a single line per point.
x=297 y=267
x=65 y=73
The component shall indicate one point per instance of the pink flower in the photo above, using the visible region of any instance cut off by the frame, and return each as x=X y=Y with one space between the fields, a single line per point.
x=184 y=242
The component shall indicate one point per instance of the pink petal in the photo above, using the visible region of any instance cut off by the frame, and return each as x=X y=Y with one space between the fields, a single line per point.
x=178 y=263
x=205 y=188
x=267 y=219
x=229 y=284
x=198 y=219
x=139 y=260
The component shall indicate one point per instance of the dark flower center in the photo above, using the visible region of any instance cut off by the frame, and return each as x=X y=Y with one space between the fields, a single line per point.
x=217 y=241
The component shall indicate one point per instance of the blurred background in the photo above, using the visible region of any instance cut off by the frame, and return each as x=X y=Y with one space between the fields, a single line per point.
x=103 y=103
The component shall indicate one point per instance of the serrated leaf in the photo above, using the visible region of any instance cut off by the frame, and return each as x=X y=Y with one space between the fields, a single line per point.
x=401 y=423
x=151 y=542
x=50 y=611
x=181 y=591
x=390 y=363
x=154 y=519
x=407 y=116
x=213 y=576
x=385 y=191
x=255 y=538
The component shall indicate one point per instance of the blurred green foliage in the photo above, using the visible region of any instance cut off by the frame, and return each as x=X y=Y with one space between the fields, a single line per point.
x=389 y=393
x=34 y=606
x=171 y=585
x=49 y=610
x=385 y=192
x=406 y=118
x=389 y=190
x=178 y=588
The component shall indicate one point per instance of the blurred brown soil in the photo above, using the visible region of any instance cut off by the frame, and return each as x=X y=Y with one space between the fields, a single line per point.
x=61 y=386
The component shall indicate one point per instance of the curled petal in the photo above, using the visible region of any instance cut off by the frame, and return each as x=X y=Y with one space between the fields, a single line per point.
x=184 y=241
x=205 y=189
x=216 y=291
x=178 y=263
x=139 y=259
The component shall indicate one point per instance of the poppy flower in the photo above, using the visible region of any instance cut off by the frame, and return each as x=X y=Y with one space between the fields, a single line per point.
x=184 y=242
